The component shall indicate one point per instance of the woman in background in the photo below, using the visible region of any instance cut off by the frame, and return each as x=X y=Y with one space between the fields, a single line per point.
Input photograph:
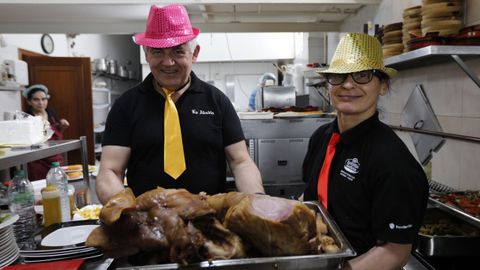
x=37 y=99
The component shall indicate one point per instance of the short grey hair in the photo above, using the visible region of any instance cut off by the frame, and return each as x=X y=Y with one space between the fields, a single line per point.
x=192 y=44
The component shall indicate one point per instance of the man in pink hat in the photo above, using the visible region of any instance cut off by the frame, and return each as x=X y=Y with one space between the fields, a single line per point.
x=173 y=130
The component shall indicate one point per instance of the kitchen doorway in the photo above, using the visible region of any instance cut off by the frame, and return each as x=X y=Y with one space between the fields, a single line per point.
x=70 y=85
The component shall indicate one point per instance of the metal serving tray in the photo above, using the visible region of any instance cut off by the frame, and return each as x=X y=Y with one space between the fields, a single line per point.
x=447 y=245
x=457 y=212
x=319 y=261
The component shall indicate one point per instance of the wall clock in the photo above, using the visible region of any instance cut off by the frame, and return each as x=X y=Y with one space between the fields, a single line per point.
x=47 y=43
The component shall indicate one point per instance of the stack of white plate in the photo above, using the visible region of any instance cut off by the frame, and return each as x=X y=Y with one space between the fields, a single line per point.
x=63 y=242
x=8 y=247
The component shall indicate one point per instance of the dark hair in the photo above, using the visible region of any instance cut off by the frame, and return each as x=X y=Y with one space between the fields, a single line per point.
x=383 y=77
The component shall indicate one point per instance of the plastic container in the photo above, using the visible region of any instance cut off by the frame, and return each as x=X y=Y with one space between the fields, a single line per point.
x=57 y=177
x=52 y=211
x=21 y=201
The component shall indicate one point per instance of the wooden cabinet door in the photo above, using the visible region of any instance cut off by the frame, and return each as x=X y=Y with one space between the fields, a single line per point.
x=70 y=86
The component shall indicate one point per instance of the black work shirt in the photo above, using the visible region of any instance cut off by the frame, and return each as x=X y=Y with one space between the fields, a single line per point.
x=377 y=190
x=208 y=122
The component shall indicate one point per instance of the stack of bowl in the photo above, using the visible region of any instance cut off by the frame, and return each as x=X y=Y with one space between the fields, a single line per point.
x=443 y=17
x=412 y=19
x=392 y=39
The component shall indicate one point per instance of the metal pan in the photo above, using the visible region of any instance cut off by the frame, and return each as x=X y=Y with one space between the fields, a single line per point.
x=319 y=261
x=463 y=241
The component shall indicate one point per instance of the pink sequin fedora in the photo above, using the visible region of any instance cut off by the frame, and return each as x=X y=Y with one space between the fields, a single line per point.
x=167 y=26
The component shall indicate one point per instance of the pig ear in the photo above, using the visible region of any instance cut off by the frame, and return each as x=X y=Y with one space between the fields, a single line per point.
x=113 y=209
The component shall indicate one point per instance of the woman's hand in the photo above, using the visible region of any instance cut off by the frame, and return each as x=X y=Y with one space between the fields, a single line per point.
x=64 y=124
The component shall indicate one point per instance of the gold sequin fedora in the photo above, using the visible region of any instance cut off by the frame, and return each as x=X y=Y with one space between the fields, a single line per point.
x=357 y=52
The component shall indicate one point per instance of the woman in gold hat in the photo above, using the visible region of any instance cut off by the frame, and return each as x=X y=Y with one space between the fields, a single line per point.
x=359 y=169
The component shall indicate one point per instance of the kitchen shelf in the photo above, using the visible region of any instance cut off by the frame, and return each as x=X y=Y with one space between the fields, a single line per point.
x=113 y=76
x=429 y=55
x=11 y=88
x=21 y=155
x=436 y=54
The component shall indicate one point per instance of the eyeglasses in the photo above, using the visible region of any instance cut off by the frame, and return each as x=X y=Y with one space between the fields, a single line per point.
x=360 y=77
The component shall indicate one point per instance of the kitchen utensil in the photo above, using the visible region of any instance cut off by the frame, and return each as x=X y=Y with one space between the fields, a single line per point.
x=101 y=64
x=131 y=74
x=112 y=66
x=123 y=72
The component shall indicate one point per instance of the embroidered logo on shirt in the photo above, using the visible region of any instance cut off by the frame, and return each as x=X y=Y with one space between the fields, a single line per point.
x=394 y=226
x=195 y=111
x=352 y=165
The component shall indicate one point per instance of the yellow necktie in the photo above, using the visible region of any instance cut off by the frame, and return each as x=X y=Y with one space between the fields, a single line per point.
x=174 y=158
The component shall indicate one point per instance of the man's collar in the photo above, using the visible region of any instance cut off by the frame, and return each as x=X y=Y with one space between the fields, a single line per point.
x=148 y=84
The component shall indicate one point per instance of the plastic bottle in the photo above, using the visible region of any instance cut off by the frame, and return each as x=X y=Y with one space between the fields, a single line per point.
x=21 y=201
x=57 y=177
x=52 y=211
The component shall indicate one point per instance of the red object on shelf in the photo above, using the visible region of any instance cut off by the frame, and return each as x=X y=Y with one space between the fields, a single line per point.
x=56 y=265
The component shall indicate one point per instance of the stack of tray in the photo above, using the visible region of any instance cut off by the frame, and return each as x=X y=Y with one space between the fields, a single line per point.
x=412 y=18
x=392 y=39
x=442 y=16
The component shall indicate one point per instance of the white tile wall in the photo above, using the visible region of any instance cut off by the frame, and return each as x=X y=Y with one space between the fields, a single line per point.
x=471 y=93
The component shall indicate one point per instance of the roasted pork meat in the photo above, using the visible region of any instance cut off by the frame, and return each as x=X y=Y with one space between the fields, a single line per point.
x=173 y=225
x=274 y=226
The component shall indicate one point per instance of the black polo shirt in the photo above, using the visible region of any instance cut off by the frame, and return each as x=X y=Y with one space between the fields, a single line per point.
x=208 y=121
x=377 y=190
